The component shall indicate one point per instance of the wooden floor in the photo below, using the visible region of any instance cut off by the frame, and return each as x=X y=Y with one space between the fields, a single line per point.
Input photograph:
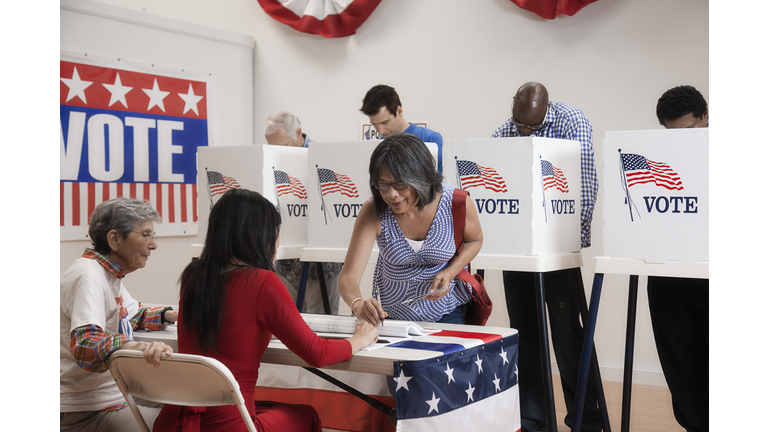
x=651 y=409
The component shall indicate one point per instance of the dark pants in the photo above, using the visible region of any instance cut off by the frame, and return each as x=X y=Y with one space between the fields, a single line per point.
x=680 y=318
x=458 y=316
x=561 y=289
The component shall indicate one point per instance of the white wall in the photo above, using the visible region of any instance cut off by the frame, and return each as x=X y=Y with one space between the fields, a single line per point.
x=456 y=65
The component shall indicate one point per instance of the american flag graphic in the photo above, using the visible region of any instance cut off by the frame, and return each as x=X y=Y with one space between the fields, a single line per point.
x=639 y=170
x=129 y=132
x=461 y=388
x=474 y=175
x=331 y=182
x=218 y=183
x=289 y=185
x=553 y=176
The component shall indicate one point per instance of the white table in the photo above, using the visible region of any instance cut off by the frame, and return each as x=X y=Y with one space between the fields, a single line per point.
x=380 y=361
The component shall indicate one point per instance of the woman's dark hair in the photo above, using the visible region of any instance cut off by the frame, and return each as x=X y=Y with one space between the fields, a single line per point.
x=242 y=231
x=407 y=158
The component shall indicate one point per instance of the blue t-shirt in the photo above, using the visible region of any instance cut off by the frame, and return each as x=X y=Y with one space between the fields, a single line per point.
x=428 y=135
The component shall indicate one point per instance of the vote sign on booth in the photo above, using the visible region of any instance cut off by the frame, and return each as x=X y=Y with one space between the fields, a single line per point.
x=526 y=191
x=656 y=204
x=279 y=173
x=338 y=187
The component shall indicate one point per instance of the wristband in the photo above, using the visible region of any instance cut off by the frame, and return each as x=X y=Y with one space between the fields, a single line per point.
x=163 y=321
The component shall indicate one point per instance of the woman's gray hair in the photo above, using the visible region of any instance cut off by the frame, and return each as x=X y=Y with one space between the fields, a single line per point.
x=407 y=159
x=120 y=214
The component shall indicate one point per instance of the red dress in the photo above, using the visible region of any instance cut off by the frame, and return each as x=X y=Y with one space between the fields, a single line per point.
x=257 y=305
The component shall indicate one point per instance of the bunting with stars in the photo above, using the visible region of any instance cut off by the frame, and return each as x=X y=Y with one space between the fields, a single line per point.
x=456 y=391
x=130 y=131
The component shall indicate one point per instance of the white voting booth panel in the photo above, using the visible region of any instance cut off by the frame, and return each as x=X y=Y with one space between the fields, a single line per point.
x=526 y=191
x=656 y=203
x=338 y=187
x=279 y=173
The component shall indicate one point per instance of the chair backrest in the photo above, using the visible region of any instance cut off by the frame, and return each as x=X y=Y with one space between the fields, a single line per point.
x=181 y=379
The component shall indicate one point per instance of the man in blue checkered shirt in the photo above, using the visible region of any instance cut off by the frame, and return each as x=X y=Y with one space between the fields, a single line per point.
x=533 y=114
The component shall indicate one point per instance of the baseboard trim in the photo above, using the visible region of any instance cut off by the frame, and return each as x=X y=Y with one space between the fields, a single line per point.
x=639 y=376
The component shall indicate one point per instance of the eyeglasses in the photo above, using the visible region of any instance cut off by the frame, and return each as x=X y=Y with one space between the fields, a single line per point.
x=385 y=186
x=147 y=236
x=532 y=128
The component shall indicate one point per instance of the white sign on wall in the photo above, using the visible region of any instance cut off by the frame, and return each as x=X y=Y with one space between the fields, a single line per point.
x=279 y=173
x=338 y=186
x=656 y=204
x=526 y=191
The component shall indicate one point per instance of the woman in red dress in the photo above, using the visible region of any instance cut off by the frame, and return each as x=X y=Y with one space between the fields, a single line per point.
x=231 y=303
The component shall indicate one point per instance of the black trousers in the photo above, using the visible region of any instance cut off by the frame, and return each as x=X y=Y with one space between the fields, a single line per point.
x=680 y=318
x=561 y=289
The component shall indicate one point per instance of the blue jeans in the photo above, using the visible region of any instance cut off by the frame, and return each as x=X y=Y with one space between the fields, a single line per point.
x=560 y=294
x=458 y=316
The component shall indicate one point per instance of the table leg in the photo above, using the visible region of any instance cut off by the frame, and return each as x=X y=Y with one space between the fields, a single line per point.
x=546 y=366
x=302 y=285
x=323 y=288
x=586 y=352
x=390 y=412
x=629 y=352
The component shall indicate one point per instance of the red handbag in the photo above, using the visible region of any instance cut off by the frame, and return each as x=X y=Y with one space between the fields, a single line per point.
x=481 y=306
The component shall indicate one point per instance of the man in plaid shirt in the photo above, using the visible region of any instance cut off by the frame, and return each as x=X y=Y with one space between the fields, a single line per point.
x=533 y=114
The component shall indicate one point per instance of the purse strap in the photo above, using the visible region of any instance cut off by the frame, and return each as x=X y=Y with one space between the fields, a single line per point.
x=459 y=211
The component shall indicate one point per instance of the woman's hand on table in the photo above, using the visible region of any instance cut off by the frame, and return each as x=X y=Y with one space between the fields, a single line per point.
x=370 y=311
x=365 y=334
x=152 y=351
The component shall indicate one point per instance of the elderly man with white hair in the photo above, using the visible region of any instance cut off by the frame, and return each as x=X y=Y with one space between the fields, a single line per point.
x=284 y=128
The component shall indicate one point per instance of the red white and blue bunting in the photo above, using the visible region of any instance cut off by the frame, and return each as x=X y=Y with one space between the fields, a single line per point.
x=328 y=18
x=550 y=9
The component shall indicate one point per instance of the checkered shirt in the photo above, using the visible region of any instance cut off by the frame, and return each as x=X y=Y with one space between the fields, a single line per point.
x=567 y=122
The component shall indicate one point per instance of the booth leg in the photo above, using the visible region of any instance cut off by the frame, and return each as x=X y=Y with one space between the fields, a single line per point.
x=586 y=352
x=629 y=352
x=302 y=285
x=594 y=369
x=546 y=365
x=323 y=288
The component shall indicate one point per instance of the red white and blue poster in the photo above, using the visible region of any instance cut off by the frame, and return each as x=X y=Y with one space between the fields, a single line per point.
x=130 y=131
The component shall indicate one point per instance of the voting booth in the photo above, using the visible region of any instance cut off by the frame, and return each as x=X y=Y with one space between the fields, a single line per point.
x=526 y=191
x=656 y=223
x=656 y=202
x=338 y=181
x=279 y=173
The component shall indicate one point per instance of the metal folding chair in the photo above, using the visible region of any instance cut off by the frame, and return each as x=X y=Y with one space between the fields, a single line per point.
x=181 y=379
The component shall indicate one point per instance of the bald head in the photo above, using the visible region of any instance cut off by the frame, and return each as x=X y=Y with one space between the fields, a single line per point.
x=529 y=106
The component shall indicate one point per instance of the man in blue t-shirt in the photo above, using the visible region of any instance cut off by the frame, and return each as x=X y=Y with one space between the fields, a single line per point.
x=382 y=106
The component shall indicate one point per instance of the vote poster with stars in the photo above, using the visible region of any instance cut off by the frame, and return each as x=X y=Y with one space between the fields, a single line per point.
x=130 y=131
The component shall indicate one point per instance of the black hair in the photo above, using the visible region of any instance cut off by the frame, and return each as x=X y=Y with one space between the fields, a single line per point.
x=679 y=101
x=379 y=96
x=407 y=158
x=242 y=232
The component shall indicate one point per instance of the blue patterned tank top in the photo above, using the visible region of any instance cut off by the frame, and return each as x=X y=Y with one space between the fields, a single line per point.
x=401 y=273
